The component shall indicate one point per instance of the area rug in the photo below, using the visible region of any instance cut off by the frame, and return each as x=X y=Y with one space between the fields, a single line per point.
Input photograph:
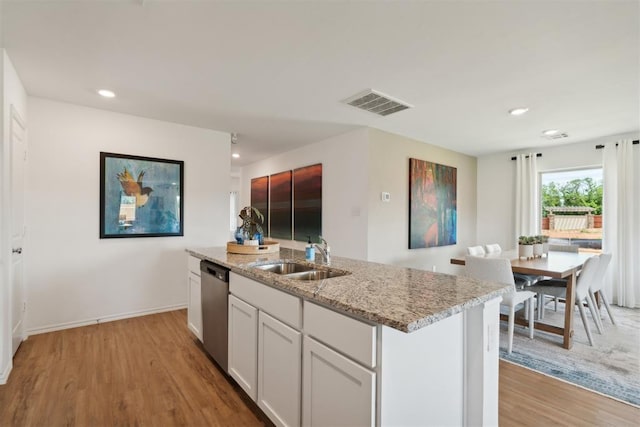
x=610 y=367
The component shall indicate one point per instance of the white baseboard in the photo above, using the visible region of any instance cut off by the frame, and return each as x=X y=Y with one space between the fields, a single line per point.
x=4 y=375
x=110 y=318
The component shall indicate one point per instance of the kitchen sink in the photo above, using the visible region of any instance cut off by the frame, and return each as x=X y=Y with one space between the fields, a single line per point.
x=285 y=267
x=317 y=274
x=298 y=271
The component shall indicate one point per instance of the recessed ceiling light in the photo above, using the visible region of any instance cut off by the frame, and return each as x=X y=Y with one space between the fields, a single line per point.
x=550 y=132
x=235 y=155
x=106 y=93
x=518 y=111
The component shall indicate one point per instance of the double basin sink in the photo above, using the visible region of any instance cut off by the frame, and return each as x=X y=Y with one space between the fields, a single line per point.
x=299 y=271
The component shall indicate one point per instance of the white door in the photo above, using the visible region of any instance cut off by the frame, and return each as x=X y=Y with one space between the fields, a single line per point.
x=336 y=391
x=18 y=158
x=279 y=360
x=243 y=345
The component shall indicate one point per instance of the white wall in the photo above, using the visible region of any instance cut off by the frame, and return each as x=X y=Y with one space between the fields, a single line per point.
x=72 y=275
x=496 y=183
x=389 y=221
x=12 y=93
x=344 y=187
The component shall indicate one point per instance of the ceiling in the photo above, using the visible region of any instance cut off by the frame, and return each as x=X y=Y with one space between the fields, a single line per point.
x=276 y=72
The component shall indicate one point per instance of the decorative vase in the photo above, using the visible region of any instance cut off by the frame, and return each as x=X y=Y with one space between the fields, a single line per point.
x=537 y=250
x=259 y=238
x=239 y=236
x=545 y=249
x=525 y=251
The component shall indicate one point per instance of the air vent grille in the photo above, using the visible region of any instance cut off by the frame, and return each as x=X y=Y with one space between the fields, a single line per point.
x=557 y=136
x=377 y=103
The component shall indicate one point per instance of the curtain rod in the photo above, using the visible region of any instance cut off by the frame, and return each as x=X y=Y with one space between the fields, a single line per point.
x=537 y=155
x=599 y=146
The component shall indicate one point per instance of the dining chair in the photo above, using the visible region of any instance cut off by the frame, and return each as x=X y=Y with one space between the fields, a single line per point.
x=475 y=250
x=583 y=284
x=521 y=280
x=598 y=286
x=555 y=282
x=499 y=270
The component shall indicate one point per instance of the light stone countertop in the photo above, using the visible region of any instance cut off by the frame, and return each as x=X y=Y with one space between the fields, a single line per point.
x=402 y=298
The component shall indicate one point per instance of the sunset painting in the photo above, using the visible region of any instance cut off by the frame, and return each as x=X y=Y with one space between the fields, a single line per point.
x=280 y=209
x=307 y=203
x=260 y=199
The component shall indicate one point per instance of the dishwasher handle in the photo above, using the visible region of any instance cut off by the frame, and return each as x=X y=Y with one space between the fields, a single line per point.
x=218 y=271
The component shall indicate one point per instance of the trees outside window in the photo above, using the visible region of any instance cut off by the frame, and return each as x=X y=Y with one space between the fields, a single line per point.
x=573 y=193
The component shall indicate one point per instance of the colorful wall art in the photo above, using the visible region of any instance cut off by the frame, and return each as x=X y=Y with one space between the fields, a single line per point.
x=280 y=206
x=260 y=199
x=307 y=203
x=432 y=204
x=140 y=196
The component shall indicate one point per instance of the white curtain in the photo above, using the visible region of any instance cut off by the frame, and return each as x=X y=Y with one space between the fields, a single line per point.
x=527 y=206
x=621 y=221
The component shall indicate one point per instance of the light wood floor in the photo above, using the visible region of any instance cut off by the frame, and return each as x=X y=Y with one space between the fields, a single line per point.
x=150 y=370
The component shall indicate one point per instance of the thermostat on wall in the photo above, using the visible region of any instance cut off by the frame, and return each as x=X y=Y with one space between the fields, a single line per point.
x=386 y=197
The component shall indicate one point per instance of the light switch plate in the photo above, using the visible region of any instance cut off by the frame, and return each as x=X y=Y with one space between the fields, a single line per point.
x=385 y=197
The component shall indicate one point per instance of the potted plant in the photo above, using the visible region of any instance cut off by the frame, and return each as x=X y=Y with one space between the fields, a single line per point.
x=252 y=220
x=545 y=245
x=525 y=247
x=537 y=246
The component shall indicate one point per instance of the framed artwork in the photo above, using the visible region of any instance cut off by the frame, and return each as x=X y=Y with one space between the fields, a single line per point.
x=307 y=203
x=140 y=196
x=280 y=212
x=260 y=199
x=432 y=204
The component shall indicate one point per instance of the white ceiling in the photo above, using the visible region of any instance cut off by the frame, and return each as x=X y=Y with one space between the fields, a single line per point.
x=275 y=72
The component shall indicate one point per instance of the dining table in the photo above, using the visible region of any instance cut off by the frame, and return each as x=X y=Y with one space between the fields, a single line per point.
x=557 y=265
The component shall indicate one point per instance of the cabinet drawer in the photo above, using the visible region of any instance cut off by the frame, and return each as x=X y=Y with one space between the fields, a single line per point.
x=194 y=265
x=354 y=338
x=278 y=304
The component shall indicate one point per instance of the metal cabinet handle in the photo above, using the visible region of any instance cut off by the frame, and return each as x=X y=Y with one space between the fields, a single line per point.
x=17 y=250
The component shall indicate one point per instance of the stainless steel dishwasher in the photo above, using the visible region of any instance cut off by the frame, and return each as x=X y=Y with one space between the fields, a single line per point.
x=215 y=297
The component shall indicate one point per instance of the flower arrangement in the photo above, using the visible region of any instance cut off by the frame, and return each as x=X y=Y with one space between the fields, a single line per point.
x=252 y=220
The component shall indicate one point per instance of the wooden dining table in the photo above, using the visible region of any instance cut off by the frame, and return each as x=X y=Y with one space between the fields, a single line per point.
x=558 y=265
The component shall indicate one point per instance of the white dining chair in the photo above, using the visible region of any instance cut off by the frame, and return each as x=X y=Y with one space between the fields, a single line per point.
x=598 y=285
x=492 y=248
x=582 y=286
x=475 y=251
x=522 y=280
x=499 y=270
x=555 y=282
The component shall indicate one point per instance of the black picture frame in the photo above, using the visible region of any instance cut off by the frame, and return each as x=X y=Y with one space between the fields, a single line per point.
x=129 y=184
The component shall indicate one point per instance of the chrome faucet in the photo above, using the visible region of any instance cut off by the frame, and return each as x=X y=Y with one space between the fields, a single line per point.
x=324 y=250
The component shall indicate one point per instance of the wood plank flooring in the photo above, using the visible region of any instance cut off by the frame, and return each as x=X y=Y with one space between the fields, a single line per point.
x=151 y=371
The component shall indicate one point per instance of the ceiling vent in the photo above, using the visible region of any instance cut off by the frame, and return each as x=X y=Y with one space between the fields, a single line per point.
x=377 y=103
x=557 y=136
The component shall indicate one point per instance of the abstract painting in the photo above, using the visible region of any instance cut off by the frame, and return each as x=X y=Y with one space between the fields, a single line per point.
x=140 y=196
x=280 y=207
x=307 y=203
x=260 y=199
x=432 y=204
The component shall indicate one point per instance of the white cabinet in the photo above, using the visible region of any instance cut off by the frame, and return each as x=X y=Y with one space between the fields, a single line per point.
x=243 y=345
x=336 y=390
x=194 y=298
x=279 y=378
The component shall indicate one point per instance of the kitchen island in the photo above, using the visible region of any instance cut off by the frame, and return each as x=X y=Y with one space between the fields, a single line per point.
x=379 y=345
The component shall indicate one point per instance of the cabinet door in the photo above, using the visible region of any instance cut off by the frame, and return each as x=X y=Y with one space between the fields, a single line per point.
x=279 y=360
x=194 y=308
x=243 y=345
x=335 y=390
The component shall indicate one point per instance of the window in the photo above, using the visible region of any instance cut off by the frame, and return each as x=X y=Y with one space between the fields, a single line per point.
x=572 y=208
x=233 y=210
